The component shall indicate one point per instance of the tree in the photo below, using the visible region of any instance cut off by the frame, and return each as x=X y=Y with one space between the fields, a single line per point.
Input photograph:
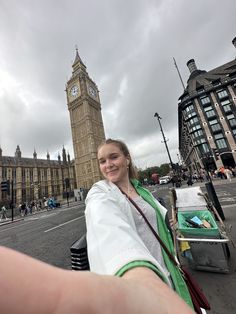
x=163 y=170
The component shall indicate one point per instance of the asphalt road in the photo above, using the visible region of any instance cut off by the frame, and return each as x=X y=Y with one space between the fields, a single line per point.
x=219 y=288
x=46 y=236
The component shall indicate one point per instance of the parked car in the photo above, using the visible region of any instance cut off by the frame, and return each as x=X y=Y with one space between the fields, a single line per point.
x=165 y=180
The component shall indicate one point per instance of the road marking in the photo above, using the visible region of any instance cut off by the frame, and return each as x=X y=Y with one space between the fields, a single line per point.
x=48 y=215
x=226 y=206
x=228 y=199
x=33 y=218
x=222 y=193
x=16 y=226
x=65 y=223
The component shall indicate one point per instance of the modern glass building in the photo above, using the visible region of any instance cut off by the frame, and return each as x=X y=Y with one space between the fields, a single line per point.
x=207 y=117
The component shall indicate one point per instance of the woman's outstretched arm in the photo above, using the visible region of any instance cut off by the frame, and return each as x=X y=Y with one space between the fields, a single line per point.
x=30 y=286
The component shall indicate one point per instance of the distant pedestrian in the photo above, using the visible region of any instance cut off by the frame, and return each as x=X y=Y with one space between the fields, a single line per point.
x=228 y=174
x=3 y=213
x=23 y=209
x=222 y=173
x=174 y=180
x=51 y=203
x=45 y=203
x=190 y=181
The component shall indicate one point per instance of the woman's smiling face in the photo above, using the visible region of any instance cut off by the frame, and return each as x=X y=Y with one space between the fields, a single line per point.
x=113 y=163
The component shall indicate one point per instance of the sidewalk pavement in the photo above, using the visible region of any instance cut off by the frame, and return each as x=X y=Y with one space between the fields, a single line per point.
x=18 y=217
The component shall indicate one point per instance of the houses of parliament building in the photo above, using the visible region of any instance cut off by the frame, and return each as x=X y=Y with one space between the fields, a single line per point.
x=33 y=178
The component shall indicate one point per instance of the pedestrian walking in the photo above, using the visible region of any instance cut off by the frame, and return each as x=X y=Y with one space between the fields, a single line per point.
x=45 y=203
x=222 y=173
x=190 y=181
x=3 y=213
x=228 y=173
x=23 y=209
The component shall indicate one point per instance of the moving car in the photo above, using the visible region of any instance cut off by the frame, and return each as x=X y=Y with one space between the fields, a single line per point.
x=165 y=180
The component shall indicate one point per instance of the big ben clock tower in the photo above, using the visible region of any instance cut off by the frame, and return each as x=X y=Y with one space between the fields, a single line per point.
x=86 y=123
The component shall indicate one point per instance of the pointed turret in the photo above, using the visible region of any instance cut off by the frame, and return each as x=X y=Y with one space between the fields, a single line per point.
x=78 y=64
x=63 y=154
x=59 y=157
x=35 y=154
x=18 y=152
x=77 y=58
x=48 y=156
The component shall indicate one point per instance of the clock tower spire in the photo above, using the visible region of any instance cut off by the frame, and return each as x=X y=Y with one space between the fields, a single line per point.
x=86 y=123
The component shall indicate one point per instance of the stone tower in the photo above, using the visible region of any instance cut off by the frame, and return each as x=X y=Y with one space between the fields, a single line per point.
x=86 y=123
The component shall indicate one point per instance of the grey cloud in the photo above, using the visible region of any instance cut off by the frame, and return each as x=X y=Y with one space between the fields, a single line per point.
x=119 y=41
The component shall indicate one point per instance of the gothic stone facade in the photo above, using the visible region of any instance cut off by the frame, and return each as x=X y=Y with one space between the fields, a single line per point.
x=35 y=178
x=86 y=123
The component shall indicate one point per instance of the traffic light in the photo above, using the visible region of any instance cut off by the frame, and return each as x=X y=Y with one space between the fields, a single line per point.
x=217 y=154
x=5 y=186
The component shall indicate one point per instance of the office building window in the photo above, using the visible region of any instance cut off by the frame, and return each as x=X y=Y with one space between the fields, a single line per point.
x=204 y=148
x=205 y=100
x=215 y=126
x=197 y=133
x=194 y=128
x=213 y=122
x=232 y=120
x=210 y=113
x=208 y=108
x=222 y=94
x=225 y=102
x=200 y=141
x=189 y=108
x=221 y=143
x=193 y=120
x=234 y=133
x=227 y=108
x=190 y=115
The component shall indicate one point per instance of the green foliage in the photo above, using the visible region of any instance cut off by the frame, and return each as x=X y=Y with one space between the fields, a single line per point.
x=163 y=170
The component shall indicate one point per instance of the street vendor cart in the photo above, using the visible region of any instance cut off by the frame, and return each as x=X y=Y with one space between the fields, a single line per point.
x=201 y=239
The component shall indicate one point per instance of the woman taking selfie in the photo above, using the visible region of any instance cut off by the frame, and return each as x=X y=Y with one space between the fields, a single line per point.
x=120 y=244
x=119 y=241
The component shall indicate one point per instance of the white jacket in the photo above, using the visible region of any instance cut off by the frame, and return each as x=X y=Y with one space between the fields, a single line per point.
x=112 y=238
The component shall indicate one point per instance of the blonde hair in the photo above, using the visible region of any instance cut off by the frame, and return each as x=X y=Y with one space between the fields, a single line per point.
x=124 y=149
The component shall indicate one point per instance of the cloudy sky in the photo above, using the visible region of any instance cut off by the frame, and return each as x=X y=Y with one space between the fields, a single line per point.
x=128 y=47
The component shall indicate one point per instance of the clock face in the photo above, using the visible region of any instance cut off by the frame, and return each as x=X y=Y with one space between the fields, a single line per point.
x=92 y=91
x=74 y=90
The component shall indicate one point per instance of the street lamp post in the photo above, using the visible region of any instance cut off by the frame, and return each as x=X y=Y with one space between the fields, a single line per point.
x=156 y=115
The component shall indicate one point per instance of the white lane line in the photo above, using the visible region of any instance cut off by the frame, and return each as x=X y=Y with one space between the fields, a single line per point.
x=226 y=206
x=16 y=226
x=65 y=223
